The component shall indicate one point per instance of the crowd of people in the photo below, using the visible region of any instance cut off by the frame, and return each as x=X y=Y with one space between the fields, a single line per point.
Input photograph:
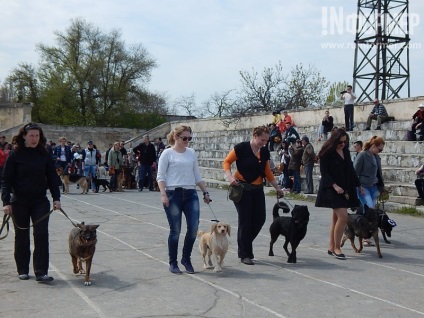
x=346 y=181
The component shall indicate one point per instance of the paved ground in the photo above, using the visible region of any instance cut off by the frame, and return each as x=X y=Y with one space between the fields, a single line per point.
x=131 y=279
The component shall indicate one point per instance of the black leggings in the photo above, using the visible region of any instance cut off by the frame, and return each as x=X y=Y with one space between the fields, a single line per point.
x=251 y=217
x=23 y=214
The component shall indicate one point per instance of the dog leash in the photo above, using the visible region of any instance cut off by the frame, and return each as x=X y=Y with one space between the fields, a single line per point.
x=7 y=217
x=285 y=200
x=5 y=223
x=215 y=220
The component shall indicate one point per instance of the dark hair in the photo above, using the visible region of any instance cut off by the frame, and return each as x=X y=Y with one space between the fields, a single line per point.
x=349 y=86
x=359 y=142
x=331 y=144
x=20 y=141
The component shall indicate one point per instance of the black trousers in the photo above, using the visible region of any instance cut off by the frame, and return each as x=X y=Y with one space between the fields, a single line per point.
x=348 y=111
x=419 y=183
x=23 y=214
x=251 y=217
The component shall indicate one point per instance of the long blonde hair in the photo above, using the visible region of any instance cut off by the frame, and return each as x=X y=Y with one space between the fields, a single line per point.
x=375 y=140
x=176 y=133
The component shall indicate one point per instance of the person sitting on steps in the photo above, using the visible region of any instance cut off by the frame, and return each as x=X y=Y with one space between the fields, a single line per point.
x=378 y=113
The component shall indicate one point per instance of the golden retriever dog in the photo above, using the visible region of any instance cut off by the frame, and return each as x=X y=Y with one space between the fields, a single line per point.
x=73 y=178
x=214 y=243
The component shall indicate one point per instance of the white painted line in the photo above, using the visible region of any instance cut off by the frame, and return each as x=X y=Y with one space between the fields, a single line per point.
x=79 y=293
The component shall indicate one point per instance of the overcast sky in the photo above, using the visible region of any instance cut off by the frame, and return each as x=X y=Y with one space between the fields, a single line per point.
x=201 y=45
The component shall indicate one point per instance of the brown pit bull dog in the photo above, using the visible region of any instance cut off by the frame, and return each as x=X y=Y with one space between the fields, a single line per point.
x=82 y=245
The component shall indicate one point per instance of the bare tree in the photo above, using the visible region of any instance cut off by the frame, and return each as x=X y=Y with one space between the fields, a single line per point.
x=186 y=104
x=261 y=92
x=304 y=88
x=221 y=104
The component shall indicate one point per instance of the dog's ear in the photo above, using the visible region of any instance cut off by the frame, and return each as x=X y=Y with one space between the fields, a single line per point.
x=213 y=227
x=94 y=226
x=228 y=229
x=81 y=225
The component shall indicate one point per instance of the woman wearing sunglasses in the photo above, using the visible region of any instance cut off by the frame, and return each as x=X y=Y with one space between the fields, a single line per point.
x=368 y=168
x=337 y=188
x=178 y=175
x=252 y=159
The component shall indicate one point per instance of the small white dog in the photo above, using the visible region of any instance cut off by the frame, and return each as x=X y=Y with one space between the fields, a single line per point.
x=214 y=243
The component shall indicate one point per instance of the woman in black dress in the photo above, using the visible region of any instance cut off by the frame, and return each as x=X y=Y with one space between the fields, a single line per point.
x=337 y=188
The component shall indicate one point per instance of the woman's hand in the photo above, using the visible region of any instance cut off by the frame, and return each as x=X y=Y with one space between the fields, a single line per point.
x=57 y=205
x=164 y=199
x=7 y=209
x=338 y=189
x=207 y=198
x=361 y=190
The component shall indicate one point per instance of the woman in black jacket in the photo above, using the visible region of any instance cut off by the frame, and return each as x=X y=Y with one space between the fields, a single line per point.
x=337 y=188
x=28 y=173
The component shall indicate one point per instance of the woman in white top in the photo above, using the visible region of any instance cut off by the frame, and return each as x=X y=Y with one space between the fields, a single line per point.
x=178 y=175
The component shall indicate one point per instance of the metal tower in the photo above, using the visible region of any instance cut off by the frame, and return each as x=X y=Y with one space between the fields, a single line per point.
x=381 y=67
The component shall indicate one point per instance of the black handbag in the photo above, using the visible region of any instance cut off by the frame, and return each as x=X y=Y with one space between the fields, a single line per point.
x=235 y=192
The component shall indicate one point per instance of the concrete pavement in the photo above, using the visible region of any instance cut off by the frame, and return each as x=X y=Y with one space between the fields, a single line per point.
x=131 y=279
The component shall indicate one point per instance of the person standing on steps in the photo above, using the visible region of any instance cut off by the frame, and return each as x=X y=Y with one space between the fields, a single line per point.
x=348 y=96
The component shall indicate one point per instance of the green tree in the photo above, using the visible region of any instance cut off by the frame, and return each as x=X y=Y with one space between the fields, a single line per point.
x=333 y=96
x=87 y=78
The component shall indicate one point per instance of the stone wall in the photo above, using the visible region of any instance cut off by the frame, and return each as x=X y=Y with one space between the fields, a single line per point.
x=401 y=109
x=14 y=114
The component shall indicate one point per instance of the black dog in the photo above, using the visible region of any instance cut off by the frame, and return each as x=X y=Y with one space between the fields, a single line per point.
x=364 y=226
x=385 y=224
x=292 y=228
x=102 y=182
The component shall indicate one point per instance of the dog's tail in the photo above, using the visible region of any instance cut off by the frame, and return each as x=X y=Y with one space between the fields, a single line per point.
x=200 y=233
x=277 y=206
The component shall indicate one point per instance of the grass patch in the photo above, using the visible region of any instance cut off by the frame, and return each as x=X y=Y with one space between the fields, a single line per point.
x=408 y=210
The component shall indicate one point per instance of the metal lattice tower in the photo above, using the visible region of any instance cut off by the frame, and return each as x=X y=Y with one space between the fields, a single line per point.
x=381 y=67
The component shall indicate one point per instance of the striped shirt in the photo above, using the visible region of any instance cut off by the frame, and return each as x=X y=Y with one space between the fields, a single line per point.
x=379 y=110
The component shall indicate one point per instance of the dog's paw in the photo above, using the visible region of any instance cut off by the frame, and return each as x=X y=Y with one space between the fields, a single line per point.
x=217 y=269
x=81 y=271
x=271 y=253
x=87 y=284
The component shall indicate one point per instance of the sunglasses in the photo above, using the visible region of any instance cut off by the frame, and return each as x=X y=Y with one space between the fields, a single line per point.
x=30 y=127
x=186 y=138
x=342 y=142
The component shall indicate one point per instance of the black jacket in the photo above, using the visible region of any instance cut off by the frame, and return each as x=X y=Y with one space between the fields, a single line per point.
x=28 y=173
x=146 y=153
x=335 y=169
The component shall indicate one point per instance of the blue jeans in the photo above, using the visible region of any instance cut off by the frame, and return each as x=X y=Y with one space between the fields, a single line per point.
x=90 y=170
x=142 y=170
x=182 y=201
x=296 y=181
x=370 y=196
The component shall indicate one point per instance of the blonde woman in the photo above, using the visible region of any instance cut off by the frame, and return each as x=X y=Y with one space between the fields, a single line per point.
x=178 y=175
